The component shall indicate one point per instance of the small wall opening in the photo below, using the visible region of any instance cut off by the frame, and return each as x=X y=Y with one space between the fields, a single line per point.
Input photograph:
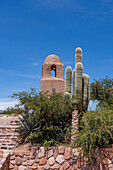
x=53 y=71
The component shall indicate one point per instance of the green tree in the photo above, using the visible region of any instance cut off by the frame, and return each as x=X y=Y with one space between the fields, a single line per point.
x=102 y=91
x=45 y=117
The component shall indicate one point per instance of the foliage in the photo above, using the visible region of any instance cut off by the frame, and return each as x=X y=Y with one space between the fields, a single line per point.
x=32 y=137
x=49 y=143
x=44 y=115
x=96 y=127
x=101 y=91
x=28 y=128
x=11 y=110
x=96 y=131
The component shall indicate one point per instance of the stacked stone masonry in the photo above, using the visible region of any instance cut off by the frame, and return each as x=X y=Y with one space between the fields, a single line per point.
x=59 y=158
x=74 y=126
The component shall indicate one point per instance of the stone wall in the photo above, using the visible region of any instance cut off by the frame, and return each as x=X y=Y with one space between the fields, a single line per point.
x=4 y=160
x=60 y=158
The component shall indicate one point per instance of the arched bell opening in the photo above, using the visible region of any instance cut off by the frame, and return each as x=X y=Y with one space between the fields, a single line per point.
x=53 y=71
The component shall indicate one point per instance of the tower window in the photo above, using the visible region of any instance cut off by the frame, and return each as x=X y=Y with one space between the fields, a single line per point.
x=53 y=90
x=53 y=71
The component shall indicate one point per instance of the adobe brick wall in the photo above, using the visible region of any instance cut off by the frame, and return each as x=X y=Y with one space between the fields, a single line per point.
x=48 y=84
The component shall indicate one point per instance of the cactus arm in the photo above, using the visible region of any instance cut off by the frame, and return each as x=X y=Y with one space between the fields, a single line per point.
x=73 y=83
x=68 y=79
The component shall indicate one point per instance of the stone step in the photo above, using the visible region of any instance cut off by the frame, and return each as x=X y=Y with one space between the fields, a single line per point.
x=8 y=131
x=15 y=124
x=8 y=141
x=7 y=147
x=8 y=127
x=8 y=136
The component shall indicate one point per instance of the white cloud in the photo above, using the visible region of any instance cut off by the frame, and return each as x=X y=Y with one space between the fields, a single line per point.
x=34 y=64
x=26 y=75
x=4 y=103
x=12 y=73
x=68 y=62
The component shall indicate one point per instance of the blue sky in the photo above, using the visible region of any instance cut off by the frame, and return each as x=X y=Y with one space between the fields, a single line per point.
x=32 y=29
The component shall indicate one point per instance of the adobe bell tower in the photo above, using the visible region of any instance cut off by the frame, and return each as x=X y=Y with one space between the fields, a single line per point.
x=54 y=84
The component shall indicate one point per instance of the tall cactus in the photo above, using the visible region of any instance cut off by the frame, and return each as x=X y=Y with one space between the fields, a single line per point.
x=74 y=71
x=81 y=82
x=78 y=84
x=88 y=89
x=85 y=92
x=68 y=79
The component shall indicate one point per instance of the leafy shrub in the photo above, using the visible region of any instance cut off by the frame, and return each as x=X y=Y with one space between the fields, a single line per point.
x=96 y=131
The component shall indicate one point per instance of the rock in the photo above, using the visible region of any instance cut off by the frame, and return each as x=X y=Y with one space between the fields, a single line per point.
x=16 y=153
x=75 y=152
x=19 y=153
x=110 y=167
x=41 y=152
x=107 y=161
x=43 y=161
x=60 y=159
x=34 y=166
x=49 y=153
x=33 y=149
x=11 y=153
x=61 y=168
x=24 y=163
x=33 y=153
x=55 y=153
x=65 y=165
x=18 y=161
x=74 y=167
x=1 y=152
x=46 y=166
x=10 y=166
x=55 y=166
x=15 y=167
x=12 y=162
x=51 y=160
x=40 y=168
x=27 y=153
x=22 y=168
x=30 y=162
x=67 y=154
x=12 y=157
x=71 y=161
x=24 y=158
x=37 y=160
x=61 y=150
x=28 y=168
